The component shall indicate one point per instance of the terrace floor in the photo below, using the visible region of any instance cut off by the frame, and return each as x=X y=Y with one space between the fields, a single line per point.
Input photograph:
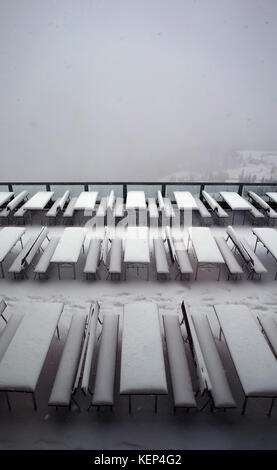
x=143 y=429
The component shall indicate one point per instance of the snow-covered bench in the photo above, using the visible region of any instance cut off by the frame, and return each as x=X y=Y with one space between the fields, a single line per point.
x=179 y=255
x=182 y=259
x=27 y=254
x=102 y=208
x=234 y=268
x=269 y=212
x=248 y=255
x=165 y=206
x=152 y=208
x=119 y=207
x=44 y=262
x=20 y=213
x=269 y=328
x=105 y=372
x=160 y=257
x=58 y=205
x=216 y=208
x=183 y=395
x=93 y=257
x=13 y=204
x=255 y=213
x=210 y=370
x=88 y=352
x=203 y=211
x=115 y=265
x=69 y=211
x=61 y=394
x=53 y=211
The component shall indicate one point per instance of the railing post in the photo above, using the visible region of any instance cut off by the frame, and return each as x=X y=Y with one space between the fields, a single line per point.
x=124 y=191
x=86 y=187
x=240 y=189
x=10 y=187
x=48 y=188
x=163 y=189
x=202 y=187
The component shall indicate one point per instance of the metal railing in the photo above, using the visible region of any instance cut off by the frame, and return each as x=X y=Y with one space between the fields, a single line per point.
x=166 y=188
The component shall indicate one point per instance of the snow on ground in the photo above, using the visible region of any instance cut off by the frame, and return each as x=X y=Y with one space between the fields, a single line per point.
x=24 y=428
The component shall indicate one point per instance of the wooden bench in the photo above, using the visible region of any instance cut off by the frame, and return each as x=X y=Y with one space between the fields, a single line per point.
x=53 y=211
x=183 y=395
x=42 y=266
x=234 y=268
x=69 y=211
x=248 y=255
x=210 y=370
x=90 y=347
x=268 y=211
x=162 y=268
x=179 y=255
x=115 y=265
x=93 y=257
x=216 y=208
x=182 y=260
x=105 y=372
x=255 y=213
x=61 y=394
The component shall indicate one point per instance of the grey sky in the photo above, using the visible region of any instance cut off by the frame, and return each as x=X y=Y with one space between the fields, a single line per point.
x=122 y=89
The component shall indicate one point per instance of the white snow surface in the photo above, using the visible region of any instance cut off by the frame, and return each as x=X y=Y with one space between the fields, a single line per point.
x=254 y=361
x=69 y=246
x=23 y=360
x=142 y=360
x=39 y=200
x=143 y=429
x=235 y=201
x=9 y=236
x=205 y=246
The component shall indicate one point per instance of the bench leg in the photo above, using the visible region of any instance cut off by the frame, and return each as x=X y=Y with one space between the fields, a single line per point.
x=34 y=401
x=244 y=405
x=8 y=401
x=271 y=406
x=58 y=332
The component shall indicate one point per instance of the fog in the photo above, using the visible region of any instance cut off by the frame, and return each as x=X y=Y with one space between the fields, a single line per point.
x=133 y=89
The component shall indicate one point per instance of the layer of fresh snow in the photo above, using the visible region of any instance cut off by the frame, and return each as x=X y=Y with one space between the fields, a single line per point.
x=235 y=201
x=86 y=200
x=142 y=360
x=254 y=362
x=135 y=200
x=69 y=246
x=205 y=246
x=9 y=236
x=39 y=200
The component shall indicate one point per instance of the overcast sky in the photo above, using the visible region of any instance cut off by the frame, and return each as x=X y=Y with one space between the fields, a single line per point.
x=122 y=89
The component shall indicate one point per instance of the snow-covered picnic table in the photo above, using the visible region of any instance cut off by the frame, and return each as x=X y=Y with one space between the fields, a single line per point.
x=142 y=359
x=205 y=248
x=137 y=250
x=39 y=200
x=23 y=360
x=255 y=363
x=5 y=196
x=86 y=200
x=9 y=236
x=135 y=200
x=235 y=201
x=268 y=237
x=69 y=247
x=185 y=200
